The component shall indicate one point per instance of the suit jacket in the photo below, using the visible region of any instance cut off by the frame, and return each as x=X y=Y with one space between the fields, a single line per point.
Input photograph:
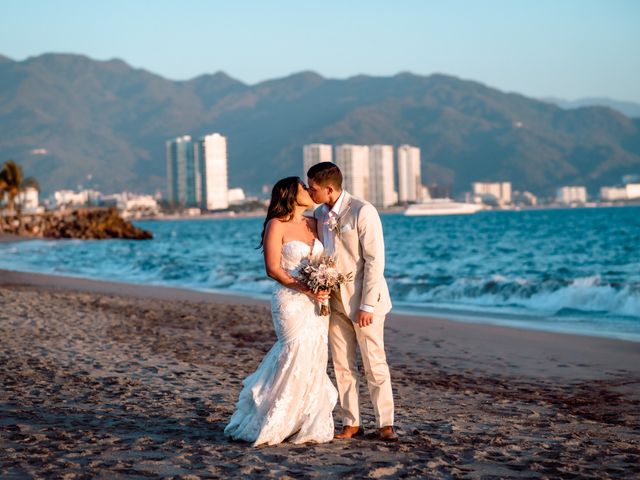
x=359 y=248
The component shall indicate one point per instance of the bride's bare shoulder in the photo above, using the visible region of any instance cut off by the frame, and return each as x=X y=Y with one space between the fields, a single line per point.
x=274 y=226
x=274 y=221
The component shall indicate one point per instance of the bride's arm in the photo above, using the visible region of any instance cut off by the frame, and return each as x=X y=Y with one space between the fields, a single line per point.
x=273 y=254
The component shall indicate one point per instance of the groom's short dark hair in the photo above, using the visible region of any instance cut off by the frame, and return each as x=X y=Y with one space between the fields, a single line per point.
x=326 y=173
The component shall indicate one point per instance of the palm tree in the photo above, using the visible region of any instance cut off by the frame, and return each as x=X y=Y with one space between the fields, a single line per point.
x=12 y=182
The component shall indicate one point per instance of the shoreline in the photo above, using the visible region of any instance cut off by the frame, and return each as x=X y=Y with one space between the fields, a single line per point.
x=396 y=210
x=507 y=320
x=83 y=284
x=516 y=342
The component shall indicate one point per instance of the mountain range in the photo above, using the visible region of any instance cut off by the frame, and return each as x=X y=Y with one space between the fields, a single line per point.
x=70 y=120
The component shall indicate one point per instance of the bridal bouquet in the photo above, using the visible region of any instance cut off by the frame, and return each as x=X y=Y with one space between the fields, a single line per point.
x=320 y=273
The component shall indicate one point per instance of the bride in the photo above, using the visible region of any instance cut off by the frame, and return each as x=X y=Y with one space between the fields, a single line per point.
x=290 y=396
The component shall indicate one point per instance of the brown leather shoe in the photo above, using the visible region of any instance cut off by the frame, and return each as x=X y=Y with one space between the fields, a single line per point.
x=387 y=434
x=350 y=432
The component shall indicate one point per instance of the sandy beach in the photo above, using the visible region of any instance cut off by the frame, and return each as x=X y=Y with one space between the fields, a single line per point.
x=108 y=380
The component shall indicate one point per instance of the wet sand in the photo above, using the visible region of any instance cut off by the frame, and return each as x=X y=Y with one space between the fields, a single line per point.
x=103 y=379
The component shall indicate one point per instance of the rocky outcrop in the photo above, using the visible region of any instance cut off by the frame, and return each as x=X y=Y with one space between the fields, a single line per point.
x=87 y=224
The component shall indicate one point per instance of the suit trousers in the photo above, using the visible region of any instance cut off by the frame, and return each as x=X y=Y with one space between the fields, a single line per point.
x=345 y=337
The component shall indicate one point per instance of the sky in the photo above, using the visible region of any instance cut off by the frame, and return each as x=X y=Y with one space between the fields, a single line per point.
x=568 y=49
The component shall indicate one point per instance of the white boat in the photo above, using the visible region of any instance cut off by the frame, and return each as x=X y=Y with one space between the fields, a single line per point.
x=442 y=206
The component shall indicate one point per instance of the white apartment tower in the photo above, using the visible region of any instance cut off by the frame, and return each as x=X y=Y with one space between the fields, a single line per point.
x=315 y=153
x=197 y=172
x=409 y=177
x=353 y=161
x=211 y=155
x=381 y=176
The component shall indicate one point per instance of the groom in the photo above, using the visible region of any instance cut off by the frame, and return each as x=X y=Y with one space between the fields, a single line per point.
x=351 y=230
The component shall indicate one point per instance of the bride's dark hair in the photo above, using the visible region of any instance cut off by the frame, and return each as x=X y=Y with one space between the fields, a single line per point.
x=283 y=202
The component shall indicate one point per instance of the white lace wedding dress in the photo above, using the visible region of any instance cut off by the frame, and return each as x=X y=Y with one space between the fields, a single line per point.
x=290 y=395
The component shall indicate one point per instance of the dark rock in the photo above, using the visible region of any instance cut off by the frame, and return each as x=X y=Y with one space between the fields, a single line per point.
x=86 y=223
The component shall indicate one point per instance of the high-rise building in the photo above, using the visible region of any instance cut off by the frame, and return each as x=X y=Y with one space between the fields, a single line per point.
x=197 y=171
x=381 y=177
x=498 y=192
x=353 y=161
x=315 y=153
x=409 y=178
x=211 y=160
x=181 y=172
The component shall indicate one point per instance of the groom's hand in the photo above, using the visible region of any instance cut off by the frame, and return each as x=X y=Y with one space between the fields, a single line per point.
x=364 y=318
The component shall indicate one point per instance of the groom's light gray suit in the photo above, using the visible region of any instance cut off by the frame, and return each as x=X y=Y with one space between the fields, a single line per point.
x=358 y=244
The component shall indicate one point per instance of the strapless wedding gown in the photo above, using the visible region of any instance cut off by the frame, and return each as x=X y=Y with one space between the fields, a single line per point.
x=290 y=395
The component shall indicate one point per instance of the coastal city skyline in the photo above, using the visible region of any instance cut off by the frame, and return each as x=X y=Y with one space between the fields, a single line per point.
x=469 y=127
x=197 y=179
x=466 y=131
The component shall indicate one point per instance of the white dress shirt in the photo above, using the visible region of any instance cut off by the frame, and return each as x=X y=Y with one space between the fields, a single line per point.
x=330 y=235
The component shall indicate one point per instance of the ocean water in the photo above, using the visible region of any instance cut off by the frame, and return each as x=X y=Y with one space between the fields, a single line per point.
x=573 y=270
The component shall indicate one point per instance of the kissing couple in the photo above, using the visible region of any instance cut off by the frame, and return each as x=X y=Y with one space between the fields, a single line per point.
x=290 y=396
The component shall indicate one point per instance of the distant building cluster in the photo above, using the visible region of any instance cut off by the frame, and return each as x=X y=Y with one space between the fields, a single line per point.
x=527 y=199
x=70 y=198
x=630 y=191
x=492 y=193
x=571 y=194
x=385 y=175
x=197 y=172
x=28 y=199
x=130 y=204
x=369 y=170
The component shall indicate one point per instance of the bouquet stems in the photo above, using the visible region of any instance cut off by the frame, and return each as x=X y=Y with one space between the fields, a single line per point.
x=324 y=308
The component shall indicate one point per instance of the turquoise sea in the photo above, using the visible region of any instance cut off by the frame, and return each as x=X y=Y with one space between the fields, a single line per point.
x=573 y=270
